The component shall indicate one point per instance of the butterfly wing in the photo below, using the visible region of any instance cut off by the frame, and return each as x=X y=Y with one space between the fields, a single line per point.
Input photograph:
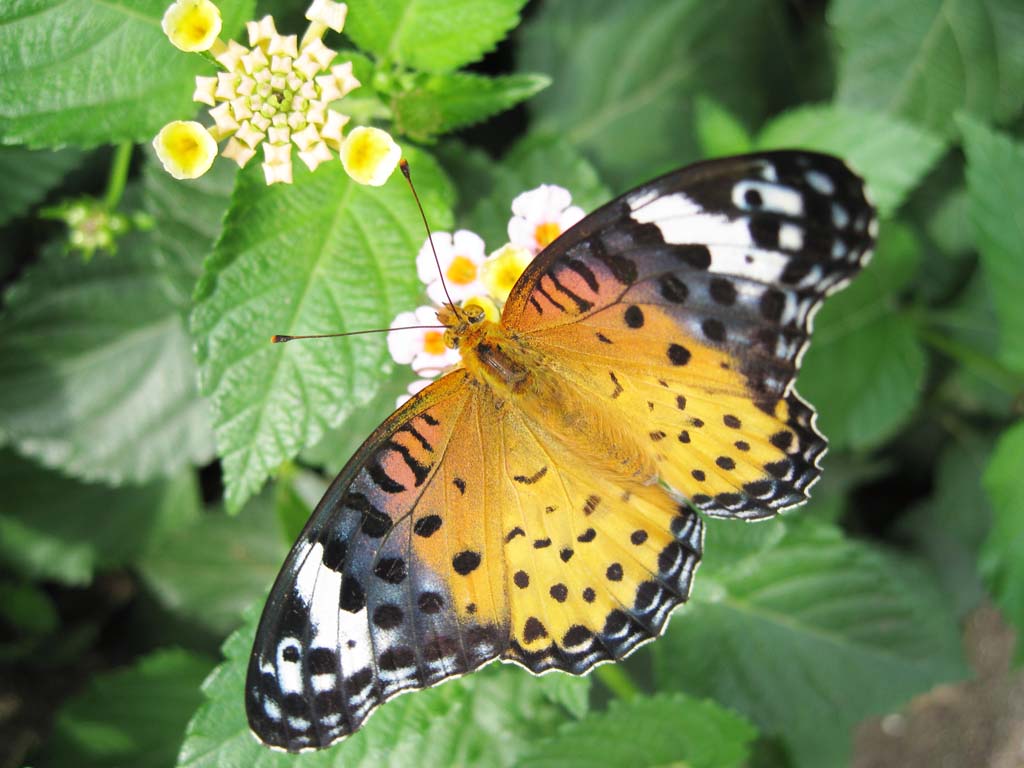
x=685 y=307
x=392 y=584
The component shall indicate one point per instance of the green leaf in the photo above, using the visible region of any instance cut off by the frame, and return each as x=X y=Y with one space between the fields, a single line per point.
x=892 y=155
x=865 y=367
x=925 y=59
x=484 y=719
x=1002 y=563
x=322 y=255
x=27 y=609
x=625 y=75
x=436 y=104
x=995 y=184
x=97 y=368
x=821 y=624
x=188 y=216
x=430 y=35
x=719 y=132
x=536 y=160
x=668 y=729
x=52 y=527
x=85 y=73
x=29 y=175
x=134 y=716
x=212 y=568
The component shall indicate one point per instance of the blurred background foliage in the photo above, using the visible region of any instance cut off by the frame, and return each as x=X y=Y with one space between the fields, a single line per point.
x=159 y=455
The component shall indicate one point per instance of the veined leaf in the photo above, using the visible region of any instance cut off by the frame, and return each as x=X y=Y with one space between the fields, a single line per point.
x=669 y=729
x=440 y=103
x=925 y=59
x=85 y=73
x=323 y=255
x=995 y=184
x=809 y=637
x=865 y=367
x=430 y=35
x=891 y=154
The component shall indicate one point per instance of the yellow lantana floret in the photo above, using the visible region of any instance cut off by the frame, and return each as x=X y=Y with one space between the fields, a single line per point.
x=370 y=155
x=192 y=25
x=185 y=148
x=503 y=268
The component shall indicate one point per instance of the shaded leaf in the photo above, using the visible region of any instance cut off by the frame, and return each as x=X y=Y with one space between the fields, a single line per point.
x=1002 y=563
x=995 y=184
x=925 y=59
x=892 y=155
x=52 y=527
x=719 y=133
x=322 y=255
x=625 y=75
x=85 y=73
x=135 y=716
x=97 y=368
x=430 y=35
x=28 y=175
x=212 y=568
x=437 y=104
x=831 y=626
x=661 y=730
x=865 y=367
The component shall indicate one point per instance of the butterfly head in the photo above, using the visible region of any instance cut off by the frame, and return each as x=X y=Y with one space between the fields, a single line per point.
x=459 y=322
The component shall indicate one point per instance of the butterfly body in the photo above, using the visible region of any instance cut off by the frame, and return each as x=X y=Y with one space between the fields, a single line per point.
x=539 y=504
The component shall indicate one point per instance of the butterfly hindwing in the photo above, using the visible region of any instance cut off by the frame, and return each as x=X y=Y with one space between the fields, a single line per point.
x=686 y=305
x=388 y=588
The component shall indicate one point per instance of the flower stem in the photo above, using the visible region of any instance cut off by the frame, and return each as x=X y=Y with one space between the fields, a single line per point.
x=118 y=175
x=988 y=368
x=616 y=680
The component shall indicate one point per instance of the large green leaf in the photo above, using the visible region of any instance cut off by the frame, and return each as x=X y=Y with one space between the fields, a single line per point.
x=891 y=154
x=135 y=716
x=431 y=35
x=485 y=719
x=924 y=59
x=323 y=255
x=439 y=103
x=216 y=566
x=865 y=367
x=86 y=73
x=96 y=363
x=809 y=637
x=52 y=527
x=29 y=175
x=669 y=729
x=995 y=184
x=1003 y=552
x=625 y=75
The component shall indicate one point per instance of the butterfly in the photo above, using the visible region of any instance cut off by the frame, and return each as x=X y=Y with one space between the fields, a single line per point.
x=542 y=503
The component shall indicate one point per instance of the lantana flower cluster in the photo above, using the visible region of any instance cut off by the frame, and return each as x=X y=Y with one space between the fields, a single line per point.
x=474 y=277
x=273 y=95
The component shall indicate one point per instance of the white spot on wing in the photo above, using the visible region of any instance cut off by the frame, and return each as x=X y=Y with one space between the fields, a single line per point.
x=775 y=198
x=682 y=222
x=324 y=682
x=289 y=673
x=820 y=182
x=640 y=199
x=766 y=266
x=791 y=237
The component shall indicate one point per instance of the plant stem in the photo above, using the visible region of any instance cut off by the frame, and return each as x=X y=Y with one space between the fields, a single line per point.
x=615 y=679
x=991 y=369
x=118 y=175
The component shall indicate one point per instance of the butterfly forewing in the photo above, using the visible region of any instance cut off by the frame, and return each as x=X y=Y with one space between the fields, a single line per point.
x=657 y=342
x=686 y=305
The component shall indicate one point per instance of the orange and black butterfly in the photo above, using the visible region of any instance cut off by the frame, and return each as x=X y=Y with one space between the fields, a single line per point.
x=542 y=503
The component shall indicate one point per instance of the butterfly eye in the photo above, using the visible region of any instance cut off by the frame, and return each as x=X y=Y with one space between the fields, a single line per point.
x=474 y=312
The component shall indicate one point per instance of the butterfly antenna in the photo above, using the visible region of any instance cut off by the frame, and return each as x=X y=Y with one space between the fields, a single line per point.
x=404 y=165
x=280 y=338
